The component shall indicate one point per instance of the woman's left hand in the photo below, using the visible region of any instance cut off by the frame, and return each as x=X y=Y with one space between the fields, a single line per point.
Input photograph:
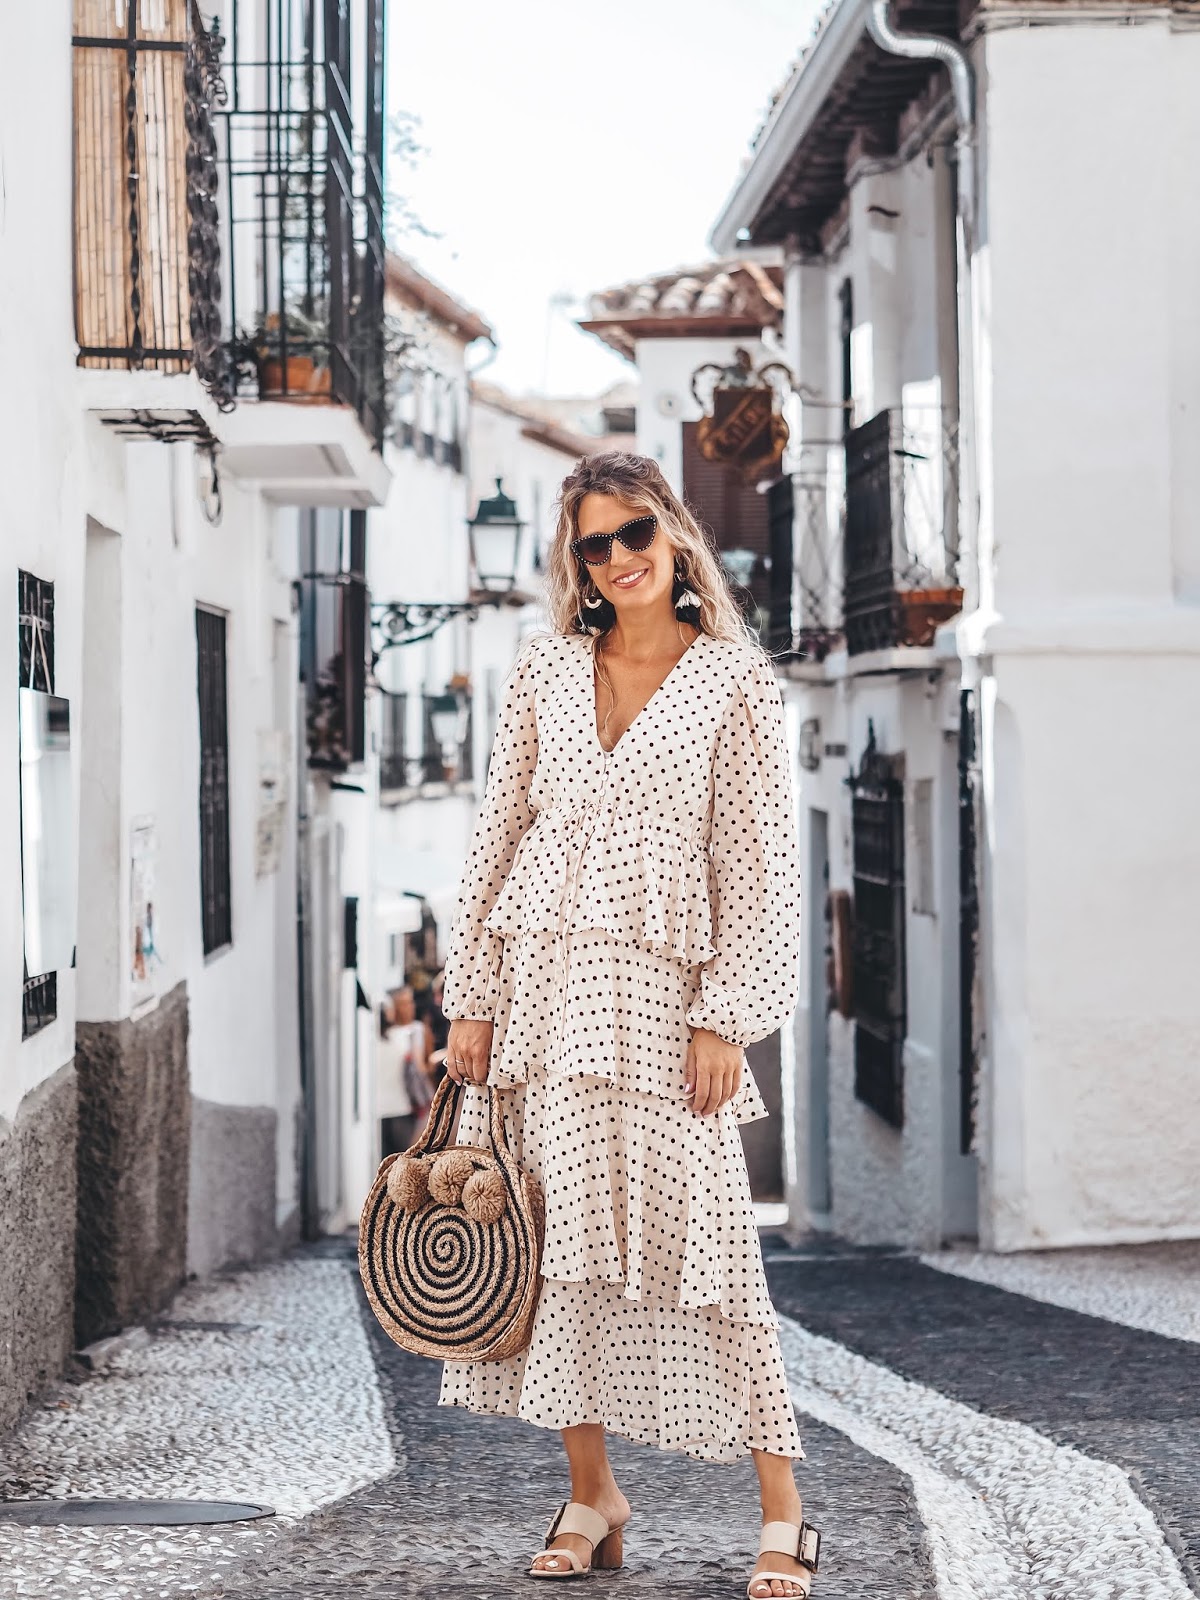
x=713 y=1074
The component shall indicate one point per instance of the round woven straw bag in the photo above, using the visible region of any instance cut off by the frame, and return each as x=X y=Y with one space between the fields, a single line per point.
x=450 y=1241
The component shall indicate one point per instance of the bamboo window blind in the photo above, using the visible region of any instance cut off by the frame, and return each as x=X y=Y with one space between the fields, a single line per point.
x=131 y=183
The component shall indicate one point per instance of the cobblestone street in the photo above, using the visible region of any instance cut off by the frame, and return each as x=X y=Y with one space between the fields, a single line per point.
x=963 y=1440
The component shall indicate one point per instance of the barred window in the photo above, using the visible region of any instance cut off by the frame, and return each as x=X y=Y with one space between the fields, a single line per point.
x=35 y=604
x=215 y=895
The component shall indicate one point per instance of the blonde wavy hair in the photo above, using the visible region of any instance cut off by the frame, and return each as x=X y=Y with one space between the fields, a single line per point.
x=637 y=482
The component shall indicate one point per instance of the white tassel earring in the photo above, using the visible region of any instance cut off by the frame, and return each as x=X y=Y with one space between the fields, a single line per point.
x=688 y=599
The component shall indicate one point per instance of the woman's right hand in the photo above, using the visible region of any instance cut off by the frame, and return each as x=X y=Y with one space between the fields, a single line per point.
x=469 y=1051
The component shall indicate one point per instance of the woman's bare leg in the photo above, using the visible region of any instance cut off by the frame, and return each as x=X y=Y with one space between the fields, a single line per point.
x=592 y=1484
x=780 y=1503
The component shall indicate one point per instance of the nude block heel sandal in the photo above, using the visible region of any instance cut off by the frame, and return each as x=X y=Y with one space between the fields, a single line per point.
x=607 y=1543
x=803 y=1543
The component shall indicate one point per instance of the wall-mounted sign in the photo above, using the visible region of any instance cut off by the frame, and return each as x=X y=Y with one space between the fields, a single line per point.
x=743 y=425
x=144 y=957
x=810 y=744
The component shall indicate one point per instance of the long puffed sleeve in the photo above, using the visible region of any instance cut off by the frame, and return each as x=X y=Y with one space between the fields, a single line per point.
x=473 y=959
x=748 y=989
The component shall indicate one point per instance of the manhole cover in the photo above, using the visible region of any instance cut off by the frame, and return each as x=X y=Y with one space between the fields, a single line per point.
x=126 y=1513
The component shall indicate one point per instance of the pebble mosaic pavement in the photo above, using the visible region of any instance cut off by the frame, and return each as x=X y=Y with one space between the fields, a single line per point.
x=964 y=1442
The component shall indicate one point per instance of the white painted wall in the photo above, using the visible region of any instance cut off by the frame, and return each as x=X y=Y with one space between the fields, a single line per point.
x=1091 y=500
x=139 y=728
x=40 y=457
x=135 y=705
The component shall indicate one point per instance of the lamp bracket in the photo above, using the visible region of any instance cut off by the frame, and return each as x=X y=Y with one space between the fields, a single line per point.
x=397 y=622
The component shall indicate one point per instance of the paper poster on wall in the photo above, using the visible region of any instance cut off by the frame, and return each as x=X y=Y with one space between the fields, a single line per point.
x=143 y=854
x=272 y=800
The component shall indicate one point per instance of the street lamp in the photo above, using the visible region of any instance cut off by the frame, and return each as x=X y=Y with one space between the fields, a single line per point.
x=449 y=715
x=495 y=535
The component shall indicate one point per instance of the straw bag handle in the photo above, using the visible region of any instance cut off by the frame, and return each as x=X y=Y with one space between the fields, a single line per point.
x=443 y=1110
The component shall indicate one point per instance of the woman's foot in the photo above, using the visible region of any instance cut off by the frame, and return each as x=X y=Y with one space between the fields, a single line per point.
x=782 y=1584
x=609 y=1503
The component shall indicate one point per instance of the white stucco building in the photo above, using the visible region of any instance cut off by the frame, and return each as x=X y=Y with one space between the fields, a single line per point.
x=171 y=1033
x=1000 y=1035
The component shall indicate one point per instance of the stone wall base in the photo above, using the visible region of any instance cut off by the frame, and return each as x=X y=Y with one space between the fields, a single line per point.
x=37 y=1241
x=231 y=1206
x=134 y=1130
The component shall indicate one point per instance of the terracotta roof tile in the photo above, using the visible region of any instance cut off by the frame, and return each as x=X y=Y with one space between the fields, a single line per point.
x=738 y=295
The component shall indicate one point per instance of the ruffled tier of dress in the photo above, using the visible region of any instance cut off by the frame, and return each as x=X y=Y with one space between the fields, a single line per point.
x=587 y=1005
x=640 y=1192
x=688 y=1381
x=654 y=1318
x=591 y=868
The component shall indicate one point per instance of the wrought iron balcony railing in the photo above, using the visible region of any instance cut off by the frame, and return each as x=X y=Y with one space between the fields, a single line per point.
x=806 y=607
x=302 y=212
x=901 y=529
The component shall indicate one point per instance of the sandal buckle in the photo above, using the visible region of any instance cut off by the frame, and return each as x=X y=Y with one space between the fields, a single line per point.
x=808 y=1551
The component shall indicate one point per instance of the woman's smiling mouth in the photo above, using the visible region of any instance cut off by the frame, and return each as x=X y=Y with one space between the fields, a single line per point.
x=628 y=579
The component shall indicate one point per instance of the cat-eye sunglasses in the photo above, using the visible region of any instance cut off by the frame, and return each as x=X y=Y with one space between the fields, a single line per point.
x=596 y=548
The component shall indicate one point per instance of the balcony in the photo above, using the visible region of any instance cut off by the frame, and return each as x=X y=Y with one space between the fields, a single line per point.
x=416 y=758
x=900 y=546
x=229 y=238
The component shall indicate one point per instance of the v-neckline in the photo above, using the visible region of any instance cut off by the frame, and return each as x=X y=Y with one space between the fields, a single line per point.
x=593 y=720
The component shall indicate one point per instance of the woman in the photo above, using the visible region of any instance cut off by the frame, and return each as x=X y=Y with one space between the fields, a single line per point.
x=403 y=1087
x=627 y=925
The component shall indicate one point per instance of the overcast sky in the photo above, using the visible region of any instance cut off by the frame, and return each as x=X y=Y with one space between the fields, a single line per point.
x=573 y=146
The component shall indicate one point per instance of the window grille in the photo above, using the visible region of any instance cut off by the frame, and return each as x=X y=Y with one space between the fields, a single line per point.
x=781 y=511
x=968 y=922
x=393 y=750
x=846 y=346
x=334 y=635
x=301 y=202
x=35 y=607
x=880 y=980
x=147 y=82
x=215 y=895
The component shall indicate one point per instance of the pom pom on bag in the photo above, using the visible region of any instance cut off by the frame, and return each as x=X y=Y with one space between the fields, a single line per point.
x=450 y=1241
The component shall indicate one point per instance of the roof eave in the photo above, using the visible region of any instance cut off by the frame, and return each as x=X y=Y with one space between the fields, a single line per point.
x=681 y=327
x=405 y=278
x=794 y=115
x=561 y=439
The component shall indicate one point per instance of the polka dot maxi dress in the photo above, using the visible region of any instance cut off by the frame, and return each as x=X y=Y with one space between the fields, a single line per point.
x=613 y=902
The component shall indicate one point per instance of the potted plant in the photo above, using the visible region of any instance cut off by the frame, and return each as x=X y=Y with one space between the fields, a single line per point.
x=291 y=356
x=921 y=612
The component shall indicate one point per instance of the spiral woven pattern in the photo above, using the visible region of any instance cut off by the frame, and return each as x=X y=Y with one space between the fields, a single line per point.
x=445 y=1285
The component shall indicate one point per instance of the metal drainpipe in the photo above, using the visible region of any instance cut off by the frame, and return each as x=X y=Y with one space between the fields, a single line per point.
x=930 y=47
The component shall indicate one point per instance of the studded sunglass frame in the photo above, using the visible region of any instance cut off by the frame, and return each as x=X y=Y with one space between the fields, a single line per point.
x=595 y=549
